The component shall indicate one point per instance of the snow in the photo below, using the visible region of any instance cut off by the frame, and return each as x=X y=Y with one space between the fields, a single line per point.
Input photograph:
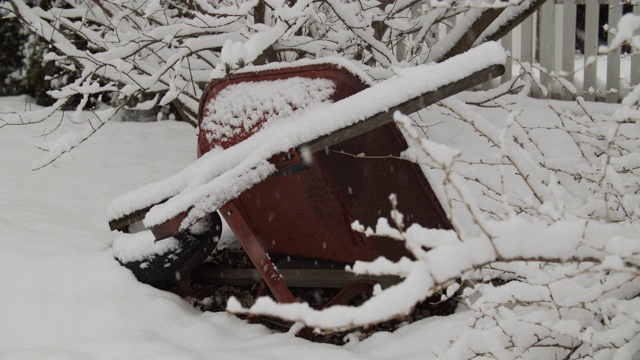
x=240 y=108
x=626 y=31
x=142 y=245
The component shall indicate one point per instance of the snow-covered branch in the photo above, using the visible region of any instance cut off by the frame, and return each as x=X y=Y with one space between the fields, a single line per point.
x=552 y=280
x=160 y=54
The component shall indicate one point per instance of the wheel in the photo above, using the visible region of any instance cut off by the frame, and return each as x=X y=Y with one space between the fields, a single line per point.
x=190 y=249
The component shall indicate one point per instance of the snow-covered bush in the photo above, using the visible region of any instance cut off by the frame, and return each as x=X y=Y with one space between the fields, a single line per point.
x=23 y=70
x=12 y=34
x=158 y=53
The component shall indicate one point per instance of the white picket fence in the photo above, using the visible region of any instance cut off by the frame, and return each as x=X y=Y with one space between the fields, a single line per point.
x=607 y=79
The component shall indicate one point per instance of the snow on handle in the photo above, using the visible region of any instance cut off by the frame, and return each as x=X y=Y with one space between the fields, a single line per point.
x=209 y=182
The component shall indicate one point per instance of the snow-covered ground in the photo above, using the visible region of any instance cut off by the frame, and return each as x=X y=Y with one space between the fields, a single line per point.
x=65 y=297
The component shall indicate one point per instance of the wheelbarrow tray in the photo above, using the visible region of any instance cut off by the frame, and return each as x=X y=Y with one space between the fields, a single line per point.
x=307 y=209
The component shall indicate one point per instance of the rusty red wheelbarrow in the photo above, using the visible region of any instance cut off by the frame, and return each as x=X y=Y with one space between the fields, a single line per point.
x=290 y=176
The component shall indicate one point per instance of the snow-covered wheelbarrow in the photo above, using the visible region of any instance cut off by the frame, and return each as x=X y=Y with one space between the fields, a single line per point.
x=291 y=156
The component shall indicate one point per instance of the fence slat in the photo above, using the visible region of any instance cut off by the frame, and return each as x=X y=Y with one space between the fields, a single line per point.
x=547 y=41
x=507 y=43
x=613 y=58
x=526 y=53
x=568 y=43
x=635 y=60
x=549 y=38
x=590 y=48
x=582 y=2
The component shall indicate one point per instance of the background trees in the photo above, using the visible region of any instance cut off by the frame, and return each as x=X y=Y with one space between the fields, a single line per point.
x=21 y=55
x=156 y=54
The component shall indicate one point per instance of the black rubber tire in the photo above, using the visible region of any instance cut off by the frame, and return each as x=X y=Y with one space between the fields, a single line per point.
x=163 y=271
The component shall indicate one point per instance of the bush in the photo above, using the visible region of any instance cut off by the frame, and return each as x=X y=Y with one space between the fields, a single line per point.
x=25 y=69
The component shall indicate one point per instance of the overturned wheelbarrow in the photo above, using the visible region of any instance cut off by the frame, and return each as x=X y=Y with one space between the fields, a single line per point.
x=291 y=157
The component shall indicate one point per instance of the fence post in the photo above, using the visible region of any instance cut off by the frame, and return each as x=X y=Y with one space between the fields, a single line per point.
x=508 y=66
x=635 y=60
x=547 y=42
x=568 y=44
x=613 y=57
x=526 y=53
x=526 y=44
x=591 y=48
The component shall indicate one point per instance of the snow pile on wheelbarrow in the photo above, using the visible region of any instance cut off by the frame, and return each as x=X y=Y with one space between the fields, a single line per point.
x=242 y=107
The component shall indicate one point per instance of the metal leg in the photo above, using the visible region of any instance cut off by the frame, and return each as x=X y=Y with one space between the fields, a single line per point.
x=349 y=292
x=256 y=253
x=262 y=290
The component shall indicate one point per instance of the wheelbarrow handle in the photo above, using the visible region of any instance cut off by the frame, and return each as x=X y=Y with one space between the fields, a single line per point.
x=408 y=107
